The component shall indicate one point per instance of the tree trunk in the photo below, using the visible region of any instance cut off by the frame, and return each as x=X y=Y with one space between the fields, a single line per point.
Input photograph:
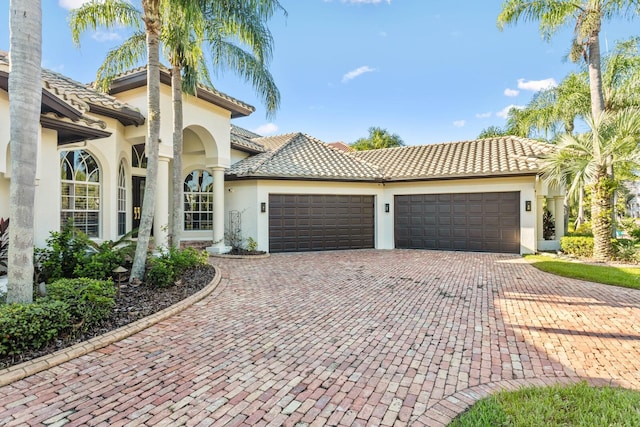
x=580 y=219
x=25 y=94
x=601 y=217
x=152 y=26
x=178 y=202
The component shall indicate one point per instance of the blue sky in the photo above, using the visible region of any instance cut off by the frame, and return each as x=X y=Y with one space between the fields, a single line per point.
x=428 y=70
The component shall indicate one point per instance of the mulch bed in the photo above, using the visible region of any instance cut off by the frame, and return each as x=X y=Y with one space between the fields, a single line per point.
x=132 y=303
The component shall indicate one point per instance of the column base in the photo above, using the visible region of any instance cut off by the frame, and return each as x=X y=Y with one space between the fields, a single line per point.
x=218 y=249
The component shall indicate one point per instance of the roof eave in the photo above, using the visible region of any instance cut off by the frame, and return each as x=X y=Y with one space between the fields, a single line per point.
x=72 y=132
x=138 y=79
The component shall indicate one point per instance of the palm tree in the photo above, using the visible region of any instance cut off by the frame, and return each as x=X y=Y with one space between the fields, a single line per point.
x=586 y=17
x=188 y=26
x=378 y=138
x=616 y=135
x=25 y=92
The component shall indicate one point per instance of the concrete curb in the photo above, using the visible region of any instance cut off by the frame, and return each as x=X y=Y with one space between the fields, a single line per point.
x=31 y=367
x=230 y=256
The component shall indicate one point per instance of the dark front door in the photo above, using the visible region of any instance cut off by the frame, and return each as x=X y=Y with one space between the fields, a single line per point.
x=138 y=194
x=312 y=222
x=484 y=222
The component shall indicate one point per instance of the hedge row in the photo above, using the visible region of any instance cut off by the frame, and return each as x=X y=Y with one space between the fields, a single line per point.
x=70 y=305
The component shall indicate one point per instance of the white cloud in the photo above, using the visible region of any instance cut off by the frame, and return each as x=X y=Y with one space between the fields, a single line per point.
x=536 y=85
x=71 y=4
x=357 y=72
x=459 y=123
x=484 y=115
x=105 y=36
x=505 y=111
x=511 y=92
x=266 y=129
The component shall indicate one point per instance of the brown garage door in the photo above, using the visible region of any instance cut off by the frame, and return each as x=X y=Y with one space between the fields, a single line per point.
x=484 y=222
x=312 y=222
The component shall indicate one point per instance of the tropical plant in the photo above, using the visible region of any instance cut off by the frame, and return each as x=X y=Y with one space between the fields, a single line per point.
x=378 y=138
x=238 y=39
x=548 y=225
x=616 y=137
x=66 y=251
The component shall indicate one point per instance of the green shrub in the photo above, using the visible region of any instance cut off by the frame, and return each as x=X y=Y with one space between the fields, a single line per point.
x=635 y=234
x=100 y=264
x=580 y=246
x=252 y=245
x=65 y=250
x=167 y=268
x=583 y=230
x=625 y=250
x=89 y=301
x=31 y=326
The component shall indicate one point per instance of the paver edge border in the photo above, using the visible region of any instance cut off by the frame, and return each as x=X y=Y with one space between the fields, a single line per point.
x=31 y=367
x=442 y=412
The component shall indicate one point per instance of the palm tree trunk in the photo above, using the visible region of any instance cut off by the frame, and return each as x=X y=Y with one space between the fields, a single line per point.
x=178 y=202
x=580 y=219
x=152 y=25
x=601 y=217
x=25 y=93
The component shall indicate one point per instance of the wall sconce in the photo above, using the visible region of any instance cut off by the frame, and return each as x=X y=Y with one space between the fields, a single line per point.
x=386 y=207
x=527 y=205
x=263 y=207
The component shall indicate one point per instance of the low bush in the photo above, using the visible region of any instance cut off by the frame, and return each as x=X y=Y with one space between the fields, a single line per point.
x=64 y=252
x=580 y=246
x=625 y=250
x=166 y=269
x=100 y=264
x=583 y=230
x=31 y=326
x=89 y=301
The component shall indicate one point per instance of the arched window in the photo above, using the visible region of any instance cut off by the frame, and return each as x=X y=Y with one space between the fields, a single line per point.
x=198 y=201
x=80 y=191
x=122 y=200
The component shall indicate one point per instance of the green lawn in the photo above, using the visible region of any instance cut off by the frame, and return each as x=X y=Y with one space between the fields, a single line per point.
x=574 y=405
x=628 y=277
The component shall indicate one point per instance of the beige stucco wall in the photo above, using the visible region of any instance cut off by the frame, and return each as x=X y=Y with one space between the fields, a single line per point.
x=237 y=155
x=209 y=122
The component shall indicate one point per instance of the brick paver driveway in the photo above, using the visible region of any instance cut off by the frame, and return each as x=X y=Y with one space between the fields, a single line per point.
x=346 y=338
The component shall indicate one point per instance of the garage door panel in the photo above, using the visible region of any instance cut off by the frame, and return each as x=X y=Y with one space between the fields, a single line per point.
x=459 y=221
x=305 y=222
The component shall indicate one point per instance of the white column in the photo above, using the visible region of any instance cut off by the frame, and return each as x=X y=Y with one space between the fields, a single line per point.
x=559 y=216
x=218 y=245
x=161 y=217
x=539 y=213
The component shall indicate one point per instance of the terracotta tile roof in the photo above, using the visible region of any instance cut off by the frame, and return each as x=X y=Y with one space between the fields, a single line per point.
x=241 y=140
x=341 y=146
x=483 y=157
x=65 y=87
x=68 y=98
x=297 y=155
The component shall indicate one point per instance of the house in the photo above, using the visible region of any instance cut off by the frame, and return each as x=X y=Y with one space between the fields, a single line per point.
x=633 y=199
x=289 y=192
